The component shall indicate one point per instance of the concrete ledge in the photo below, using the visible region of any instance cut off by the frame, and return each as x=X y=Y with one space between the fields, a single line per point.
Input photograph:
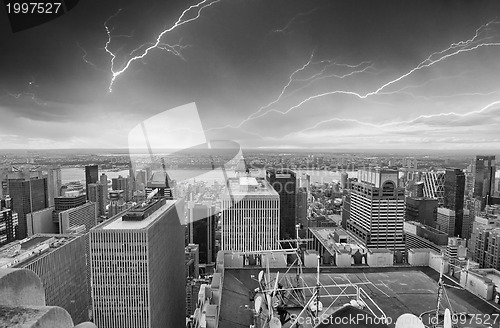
x=20 y=287
x=86 y=325
x=35 y=317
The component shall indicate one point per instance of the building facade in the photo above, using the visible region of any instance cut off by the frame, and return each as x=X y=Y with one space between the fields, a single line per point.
x=484 y=179
x=91 y=176
x=137 y=268
x=434 y=185
x=285 y=183
x=454 y=192
x=252 y=222
x=377 y=209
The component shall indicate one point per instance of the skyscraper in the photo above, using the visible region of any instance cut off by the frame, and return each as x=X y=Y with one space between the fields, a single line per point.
x=285 y=183
x=60 y=262
x=137 y=268
x=122 y=183
x=453 y=199
x=484 y=179
x=252 y=223
x=202 y=224
x=27 y=196
x=103 y=179
x=54 y=183
x=81 y=218
x=97 y=194
x=434 y=185
x=91 y=176
x=377 y=209
x=8 y=222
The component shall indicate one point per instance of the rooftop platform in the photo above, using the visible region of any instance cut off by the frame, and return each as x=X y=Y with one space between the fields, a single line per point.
x=396 y=290
x=116 y=223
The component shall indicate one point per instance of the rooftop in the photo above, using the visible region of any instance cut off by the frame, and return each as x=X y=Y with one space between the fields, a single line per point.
x=247 y=186
x=22 y=252
x=395 y=290
x=116 y=222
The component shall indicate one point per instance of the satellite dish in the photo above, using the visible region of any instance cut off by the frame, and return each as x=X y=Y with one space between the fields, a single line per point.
x=409 y=320
x=274 y=323
x=447 y=318
x=258 y=303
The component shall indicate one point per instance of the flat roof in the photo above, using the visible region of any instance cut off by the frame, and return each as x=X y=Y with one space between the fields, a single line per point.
x=21 y=252
x=257 y=187
x=116 y=223
x=396 y=290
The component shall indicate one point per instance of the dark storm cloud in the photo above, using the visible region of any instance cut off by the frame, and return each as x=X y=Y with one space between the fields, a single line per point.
x=235 y=60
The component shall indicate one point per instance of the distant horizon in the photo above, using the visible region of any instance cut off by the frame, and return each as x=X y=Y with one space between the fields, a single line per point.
x=468 y=151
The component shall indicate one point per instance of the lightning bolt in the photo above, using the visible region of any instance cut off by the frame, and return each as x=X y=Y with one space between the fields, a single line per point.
x=395 y=123
x=326 y=63
x=84 y=57
x=287 y=26
x=197 y=9
x=474 y=43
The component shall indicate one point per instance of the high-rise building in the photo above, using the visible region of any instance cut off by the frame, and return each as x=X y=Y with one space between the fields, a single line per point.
x=97 y=194
x=201 y=230
x=69 y=200
x=418 y=235
x=343 y=179
x=285 y=183
x=484 y=179
x=122 y=183
x=446 y=221
x=453 y=198
x=302 y=206
x=91 y=176
x=423 y=210
x=27 y=196
x=81 y=218
x=60 y=262
x=137 y=268
x=377 y=209
x=8 y=222
x=434 y=185
x=116 y=202
x=161 y=181
x=103 y=179
x=54 y=183
x=252 y=222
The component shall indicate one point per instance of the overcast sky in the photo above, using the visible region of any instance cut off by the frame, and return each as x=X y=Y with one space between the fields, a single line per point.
x=265 y=73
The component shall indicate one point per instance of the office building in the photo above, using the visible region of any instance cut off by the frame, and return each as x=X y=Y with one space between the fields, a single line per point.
x=41 y=222
x=377 y=209
x=54 y=183
x=137 y=268
x=434 y=185
x=78 y=219
x=285 y=183
x=250 y=220
x=302 y=206
x=343 y=179
x=8 y=222
x=484 y=179
x=103 y=179
x=446 y=221
x=71 y=199
x=453 y=198
x=201 y=231
x=27 y=196
x=97 y=194
x=192 y=261
x=161 y=181
x=60 y=262
x=122 y=183
x=116 y=202
x=91 y=176
x=421 y=209
x=419 y=235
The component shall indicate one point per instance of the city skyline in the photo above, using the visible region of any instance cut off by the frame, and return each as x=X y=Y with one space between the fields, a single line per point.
x=292 y=74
